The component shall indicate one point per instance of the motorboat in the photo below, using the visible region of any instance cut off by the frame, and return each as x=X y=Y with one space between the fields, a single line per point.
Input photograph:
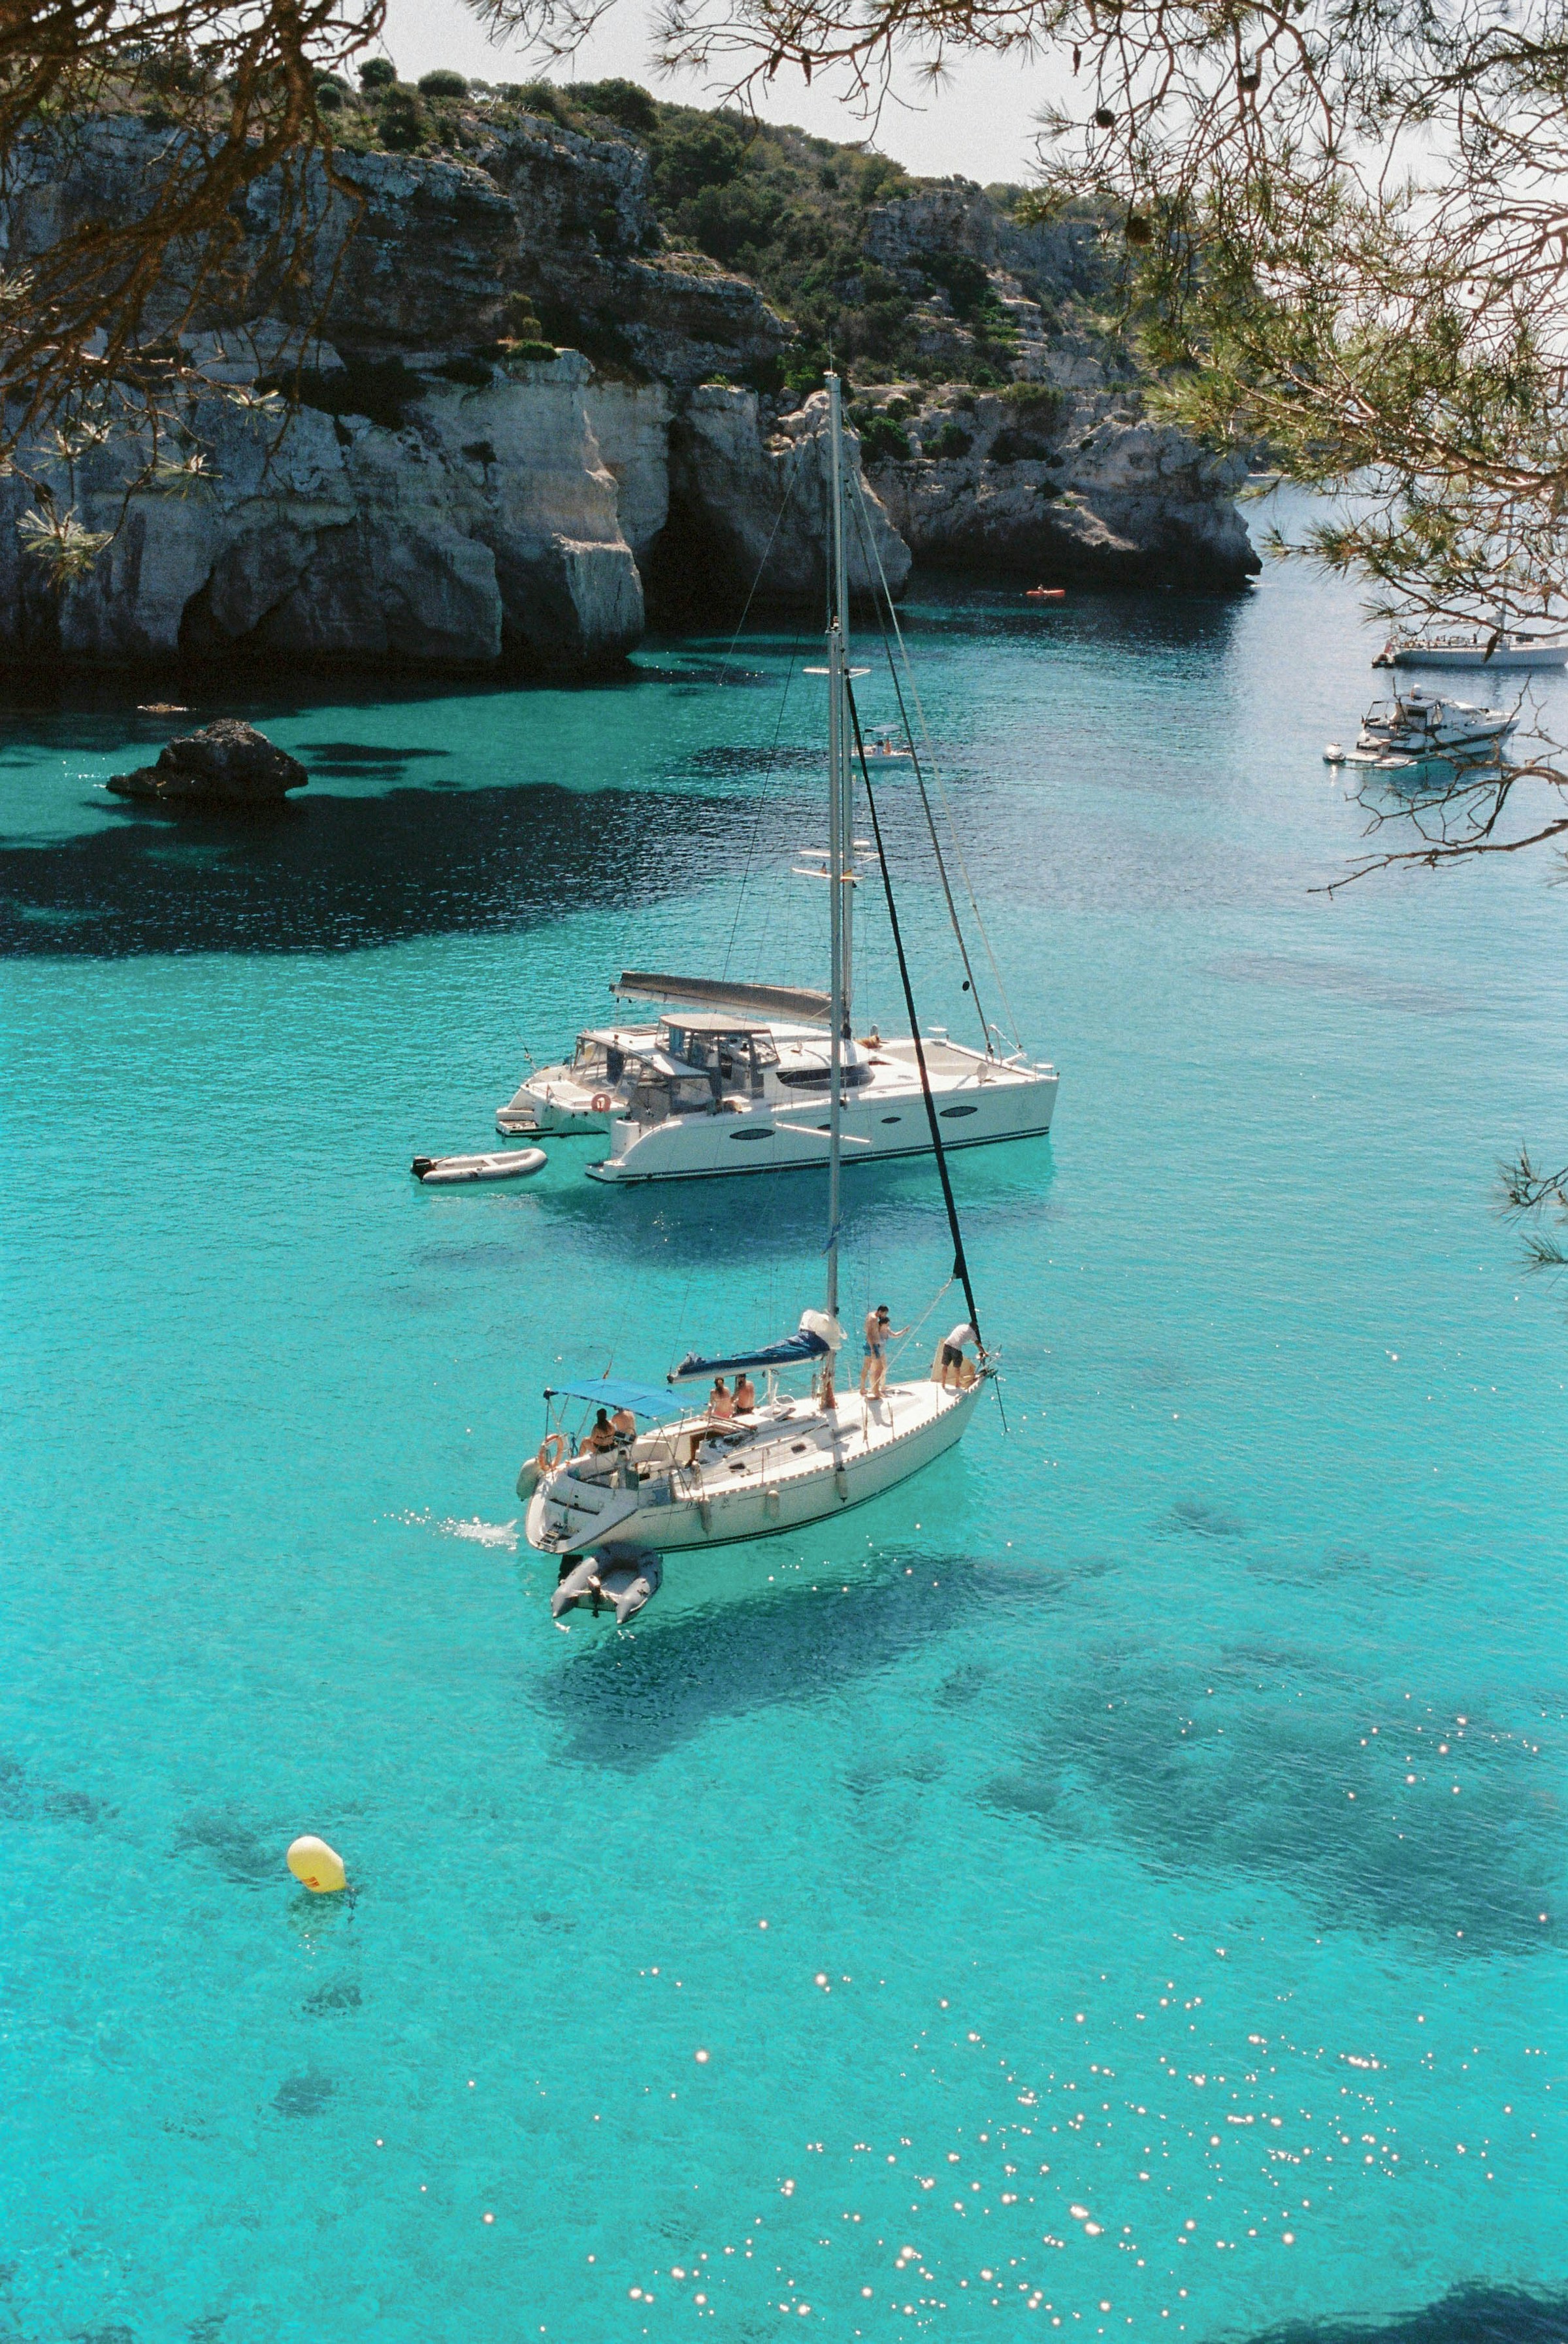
x=884 y=747
x=1478 y=649
x=502 y=1164
x=1416 y=728
x=663 y=1474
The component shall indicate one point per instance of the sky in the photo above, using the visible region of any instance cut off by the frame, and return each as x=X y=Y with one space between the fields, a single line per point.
x=980 y=124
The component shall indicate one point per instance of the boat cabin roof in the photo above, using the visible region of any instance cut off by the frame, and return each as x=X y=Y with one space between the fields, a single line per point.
x=707 y=1021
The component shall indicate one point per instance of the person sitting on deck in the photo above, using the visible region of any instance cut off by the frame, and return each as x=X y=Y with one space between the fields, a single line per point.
x=745 y=1398
x=719 y=1403
x=623 y=1424
x=602 y=1436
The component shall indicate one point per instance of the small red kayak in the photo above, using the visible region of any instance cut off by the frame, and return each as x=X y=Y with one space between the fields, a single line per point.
x=1045 y=594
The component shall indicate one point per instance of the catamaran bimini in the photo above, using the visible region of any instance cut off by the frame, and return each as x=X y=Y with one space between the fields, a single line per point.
x=731 y=1077
x=684 y=1477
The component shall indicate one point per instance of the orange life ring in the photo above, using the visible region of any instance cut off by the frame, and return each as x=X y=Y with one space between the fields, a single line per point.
x=601 y=1102
x=552 y=1450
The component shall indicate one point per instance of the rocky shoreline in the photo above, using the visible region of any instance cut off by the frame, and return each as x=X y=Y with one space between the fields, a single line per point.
x=448 y=494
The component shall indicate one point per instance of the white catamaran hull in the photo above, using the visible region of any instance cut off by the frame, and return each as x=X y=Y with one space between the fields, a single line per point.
x=980 y=1105
x=783 y=1474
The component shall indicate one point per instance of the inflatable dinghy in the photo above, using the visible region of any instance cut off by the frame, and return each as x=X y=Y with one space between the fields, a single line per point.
x=506 y=1164
x=619 y=1576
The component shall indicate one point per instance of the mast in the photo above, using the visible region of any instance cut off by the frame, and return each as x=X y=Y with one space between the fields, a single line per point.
x=845 y=771
x=837 y=763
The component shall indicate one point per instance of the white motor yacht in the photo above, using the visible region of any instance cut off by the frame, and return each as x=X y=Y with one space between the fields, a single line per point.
x=681 y=1477
x=1416 y=728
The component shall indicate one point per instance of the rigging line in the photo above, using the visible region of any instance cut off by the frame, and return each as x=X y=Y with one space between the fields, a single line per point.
x=925 y=800
x=942 y=791
x=894 y=1357
x=790 y=481
x=960 y=1265
x=761 y=798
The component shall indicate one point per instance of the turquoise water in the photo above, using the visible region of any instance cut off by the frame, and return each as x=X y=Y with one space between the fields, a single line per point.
x=1039 y=1838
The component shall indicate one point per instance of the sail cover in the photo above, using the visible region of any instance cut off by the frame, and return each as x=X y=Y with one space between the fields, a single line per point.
x=791 y=1352
x=797 y=1005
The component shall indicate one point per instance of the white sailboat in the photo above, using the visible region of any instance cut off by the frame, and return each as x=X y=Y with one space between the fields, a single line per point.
x=680 y=1477
x=1479 y=649
x=727 y=1078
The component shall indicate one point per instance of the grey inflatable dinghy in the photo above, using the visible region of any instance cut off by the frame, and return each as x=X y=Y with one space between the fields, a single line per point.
x=505 y=1163
x=617 y=1576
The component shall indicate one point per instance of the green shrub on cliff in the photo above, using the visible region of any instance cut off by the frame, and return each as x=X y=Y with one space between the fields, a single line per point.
x=883 y=440
x=787 y=209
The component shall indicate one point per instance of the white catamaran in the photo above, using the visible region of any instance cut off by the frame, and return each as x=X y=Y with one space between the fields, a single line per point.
x=678 y=1477
x=733 y=1077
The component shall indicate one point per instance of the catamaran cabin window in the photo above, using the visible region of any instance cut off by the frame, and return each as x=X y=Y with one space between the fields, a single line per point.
x=736 y=1059
x=597 y=1061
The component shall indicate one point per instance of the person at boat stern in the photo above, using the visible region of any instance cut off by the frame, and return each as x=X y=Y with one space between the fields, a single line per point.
x=950 y=1355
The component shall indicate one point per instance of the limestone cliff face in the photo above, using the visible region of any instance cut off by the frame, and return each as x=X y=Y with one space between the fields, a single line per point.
x=433 y=497
x=756 y=501
x=485 y=527
x=1076 y=484
x=421 y=490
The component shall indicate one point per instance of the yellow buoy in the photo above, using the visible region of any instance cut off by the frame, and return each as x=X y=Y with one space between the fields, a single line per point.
x=318 y=1866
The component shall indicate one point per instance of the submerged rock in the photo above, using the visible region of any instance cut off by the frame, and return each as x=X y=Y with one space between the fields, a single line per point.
x=226 y=764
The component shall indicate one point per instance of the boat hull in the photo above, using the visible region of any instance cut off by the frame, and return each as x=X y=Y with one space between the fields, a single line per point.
x=1473 y=656
x=779 y=1137
x=454 y=1171
x=778 y=1494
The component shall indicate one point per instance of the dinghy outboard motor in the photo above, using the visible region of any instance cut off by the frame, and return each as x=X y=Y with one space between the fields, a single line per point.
x=618 y=1575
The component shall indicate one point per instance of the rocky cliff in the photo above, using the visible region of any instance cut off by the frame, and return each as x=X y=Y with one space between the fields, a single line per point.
x=388 y=462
